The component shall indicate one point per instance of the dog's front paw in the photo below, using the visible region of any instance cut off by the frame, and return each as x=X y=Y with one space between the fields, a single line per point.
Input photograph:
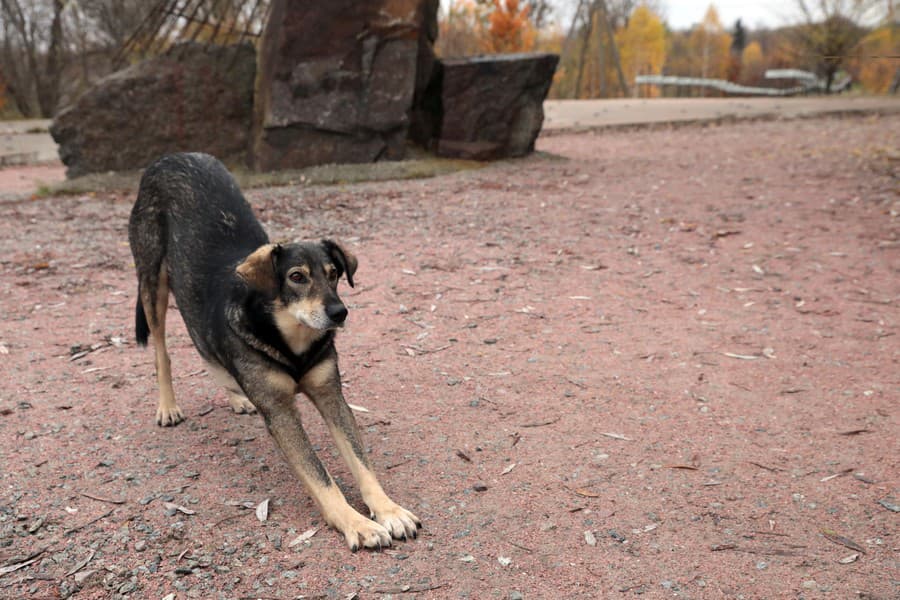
x=361 y=532
x=241 y=404
x=167 y=416
x=401 y=523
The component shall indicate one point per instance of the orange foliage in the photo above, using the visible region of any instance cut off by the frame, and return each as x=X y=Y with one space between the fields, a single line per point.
x=875 y=65
x=509 y=28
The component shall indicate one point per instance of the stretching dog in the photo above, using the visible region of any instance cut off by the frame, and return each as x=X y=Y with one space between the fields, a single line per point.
x=263 y=317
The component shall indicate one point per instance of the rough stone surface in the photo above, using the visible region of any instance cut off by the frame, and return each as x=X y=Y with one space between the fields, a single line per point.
x=194 y=97
x=491 y=106
x=424 y=116
x=336 y=81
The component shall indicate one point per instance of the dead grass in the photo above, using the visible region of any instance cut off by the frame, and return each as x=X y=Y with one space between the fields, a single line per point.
x=420 y=168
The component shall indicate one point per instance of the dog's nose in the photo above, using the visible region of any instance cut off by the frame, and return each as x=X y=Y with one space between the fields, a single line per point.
x=336 y=312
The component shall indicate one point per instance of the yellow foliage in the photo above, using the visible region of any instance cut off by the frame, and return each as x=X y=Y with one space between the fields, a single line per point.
x=710 y=47
x=642 y=44
x=874 y=67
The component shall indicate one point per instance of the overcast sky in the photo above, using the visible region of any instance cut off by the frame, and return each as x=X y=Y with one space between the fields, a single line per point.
x=681 y=14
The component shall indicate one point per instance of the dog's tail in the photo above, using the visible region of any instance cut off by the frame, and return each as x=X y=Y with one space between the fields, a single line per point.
x=141 y=327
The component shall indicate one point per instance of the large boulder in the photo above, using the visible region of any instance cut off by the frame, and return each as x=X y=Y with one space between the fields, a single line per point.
x=336 y=81
x=492 y=106
x=195 y=97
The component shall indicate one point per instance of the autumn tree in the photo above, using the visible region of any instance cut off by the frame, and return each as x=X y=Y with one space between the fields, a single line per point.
x=831 y=32
x=875 y=64
x=642 y=44
x=710 y=46
x=752 y=64
x=509 y=29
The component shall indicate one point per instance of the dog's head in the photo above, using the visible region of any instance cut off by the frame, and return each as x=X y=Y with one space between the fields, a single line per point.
x=301 y=282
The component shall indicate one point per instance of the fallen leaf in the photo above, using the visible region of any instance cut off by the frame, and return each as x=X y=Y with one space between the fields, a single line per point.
x=508 y=469
x=304 y=536
x=833 y=536
x=17 y=566
x=262 y=510
x=504 y=561
x=889 y=504
x=589 y=538
x=838 y=474
x=358 y=408
x=741 y=356
x=849 y=559
x=463 y=456
x=179 y=508
x=616 y=436
x=587 y=494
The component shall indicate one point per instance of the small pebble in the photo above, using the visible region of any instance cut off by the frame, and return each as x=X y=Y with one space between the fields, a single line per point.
x=140 y=546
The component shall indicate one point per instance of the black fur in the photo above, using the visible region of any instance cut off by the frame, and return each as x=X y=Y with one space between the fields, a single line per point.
x=191 y=214
x=141 y=327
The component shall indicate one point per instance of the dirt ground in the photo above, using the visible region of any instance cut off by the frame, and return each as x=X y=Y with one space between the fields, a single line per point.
x=657 y=362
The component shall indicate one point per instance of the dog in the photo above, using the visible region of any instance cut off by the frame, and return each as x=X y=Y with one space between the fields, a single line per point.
x=263 y=316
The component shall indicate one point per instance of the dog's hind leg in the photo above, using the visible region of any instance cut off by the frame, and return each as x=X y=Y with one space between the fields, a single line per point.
x=323 y=386
x=236 y=399
x=155 y=299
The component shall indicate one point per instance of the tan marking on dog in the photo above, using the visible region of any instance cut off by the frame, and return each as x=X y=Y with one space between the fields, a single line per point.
x=257 y=269
x=398 y=521
x=167 y=412
x=282 y=382
x=298 y=335
x=358 y=530
x=303 y=269
x=320 y=375
x=240 y=404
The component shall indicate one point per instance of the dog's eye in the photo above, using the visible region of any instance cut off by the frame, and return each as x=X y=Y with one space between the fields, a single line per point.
x=297 y=277
x=333 y=275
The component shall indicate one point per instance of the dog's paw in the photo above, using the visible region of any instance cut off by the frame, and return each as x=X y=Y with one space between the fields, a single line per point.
x=240 y=404
x=169 y=416
x=361 y=532
x=399 y=522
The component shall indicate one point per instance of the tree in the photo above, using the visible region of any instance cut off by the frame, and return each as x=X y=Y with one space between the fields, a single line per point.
x=739 y=38
x=873 y=66
x=832 y=31
x=642 y=44
x=710 y=46
x=509 y=29
x=32 y=53
x=752 y=64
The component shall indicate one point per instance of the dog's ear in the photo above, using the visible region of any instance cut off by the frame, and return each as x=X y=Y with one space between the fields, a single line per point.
x=342 y=257
x=258 y=269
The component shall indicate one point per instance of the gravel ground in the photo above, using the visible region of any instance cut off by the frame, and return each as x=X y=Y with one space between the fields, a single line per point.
x=651 y=362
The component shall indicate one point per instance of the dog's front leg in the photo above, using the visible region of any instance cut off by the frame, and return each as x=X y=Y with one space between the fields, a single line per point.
x=323 y=386
x=275 y=400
